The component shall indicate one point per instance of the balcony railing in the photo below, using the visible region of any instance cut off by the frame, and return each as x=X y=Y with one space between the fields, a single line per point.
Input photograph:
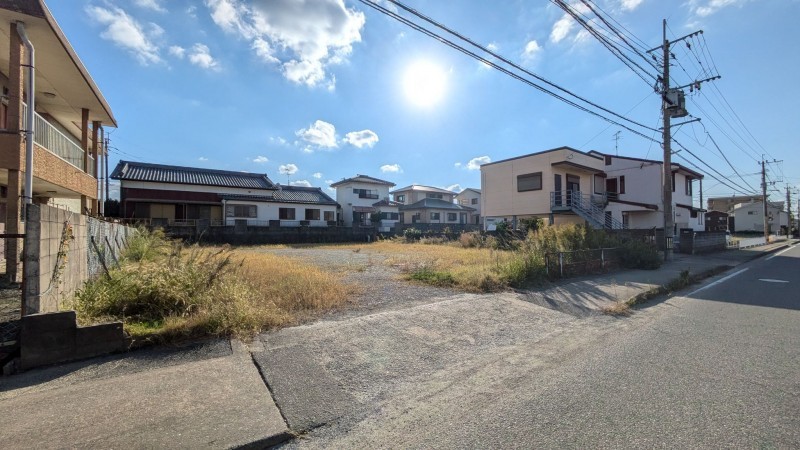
x=48 y=137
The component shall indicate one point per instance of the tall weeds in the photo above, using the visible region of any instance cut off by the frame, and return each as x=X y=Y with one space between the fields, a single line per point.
x=167 y=291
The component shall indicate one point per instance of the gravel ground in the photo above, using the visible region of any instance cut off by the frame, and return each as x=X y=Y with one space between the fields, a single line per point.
x=381 y=285
x=9 y=304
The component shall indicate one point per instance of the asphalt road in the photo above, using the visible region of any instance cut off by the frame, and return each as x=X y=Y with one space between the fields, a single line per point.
x=715 y=367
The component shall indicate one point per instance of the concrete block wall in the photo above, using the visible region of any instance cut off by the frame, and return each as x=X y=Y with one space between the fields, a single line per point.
x=58 y=261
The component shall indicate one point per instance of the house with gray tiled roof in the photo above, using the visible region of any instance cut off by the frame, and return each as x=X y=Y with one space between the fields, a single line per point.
x=428 y=204
x=180 y=195
x=365 y=200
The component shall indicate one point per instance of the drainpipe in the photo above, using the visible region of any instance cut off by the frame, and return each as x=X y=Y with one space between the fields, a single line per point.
x=29 y=133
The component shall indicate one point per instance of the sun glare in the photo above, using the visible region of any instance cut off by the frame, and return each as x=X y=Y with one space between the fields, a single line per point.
x=424 y=83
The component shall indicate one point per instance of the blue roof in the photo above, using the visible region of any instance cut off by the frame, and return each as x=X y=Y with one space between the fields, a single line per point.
x=159 y=173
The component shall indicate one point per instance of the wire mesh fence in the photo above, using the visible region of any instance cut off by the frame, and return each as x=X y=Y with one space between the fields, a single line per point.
x=106 y=240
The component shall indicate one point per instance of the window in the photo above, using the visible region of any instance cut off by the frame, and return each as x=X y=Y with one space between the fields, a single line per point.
x=400 y=198
x=452 y=217
x=286 y=213
x=248 y=211
x=416 y=218
x=611 y=188
x=626 y=220
x=529 y=182
x=622 y=184
x=688 y=185
x=328 y=215
x=366 y=193
x=435 y=216
x=599 y=184
x=390 y=216
x=434 y=195
x=312 y=214
x=693 y=214
x=474 y=201
x=608 y=160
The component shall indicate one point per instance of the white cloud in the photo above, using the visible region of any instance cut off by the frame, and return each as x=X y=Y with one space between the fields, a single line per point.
x=304 y=37
x=320 y=134
x=177 y=51
x=202 y=158
x=455 y=188
x=391 y=168
x=191 y=11
x=492 y=46
x=303 y=183
x=287 y=169
x=561 y=28
x=475 y=163
x=629 y=5
x=709 y=7
x=200 y=56
x=317 y=175
x=125 y=32
x=150 y=4
x=361 y=139
x=532 y=50
x=328 y=181
x=277 y=140
x=260 y=159
x=457 y=165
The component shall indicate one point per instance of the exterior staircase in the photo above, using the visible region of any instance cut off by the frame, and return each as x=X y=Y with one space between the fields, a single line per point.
x=590 y=208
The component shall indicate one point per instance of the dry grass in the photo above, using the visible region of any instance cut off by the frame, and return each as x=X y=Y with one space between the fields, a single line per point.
x=169 y=293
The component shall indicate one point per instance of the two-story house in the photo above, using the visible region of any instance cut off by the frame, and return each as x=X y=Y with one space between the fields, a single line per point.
x=50 y=102
x=471 y=197
x=749 y=217
x=427 y=204
x=176 y=195
x=562 y=185
x=634 y=193
x=364 y=198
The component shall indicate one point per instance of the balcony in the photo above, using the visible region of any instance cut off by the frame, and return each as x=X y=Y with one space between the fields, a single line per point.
x=56 y=142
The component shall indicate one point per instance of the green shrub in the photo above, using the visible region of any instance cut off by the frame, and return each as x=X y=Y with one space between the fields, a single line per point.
x=635 y=254
x=412 y=234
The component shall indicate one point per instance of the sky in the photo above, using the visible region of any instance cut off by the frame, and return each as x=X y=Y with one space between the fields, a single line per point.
x=313 y=91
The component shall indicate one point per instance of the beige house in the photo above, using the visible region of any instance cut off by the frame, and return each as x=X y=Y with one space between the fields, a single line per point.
x=562 y=186
x=427 y=204
x=471 y=197
x=68 y=111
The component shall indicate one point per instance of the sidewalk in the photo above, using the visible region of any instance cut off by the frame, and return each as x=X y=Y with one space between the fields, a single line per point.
x=208 y=396
x=591 y=295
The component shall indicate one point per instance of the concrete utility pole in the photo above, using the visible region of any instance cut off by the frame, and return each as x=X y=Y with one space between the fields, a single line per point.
x=788 y=213
x=764 y=198
x=672 y=105
x=667 y=137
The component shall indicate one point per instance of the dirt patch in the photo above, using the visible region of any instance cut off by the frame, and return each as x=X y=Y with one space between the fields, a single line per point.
x=381 y=287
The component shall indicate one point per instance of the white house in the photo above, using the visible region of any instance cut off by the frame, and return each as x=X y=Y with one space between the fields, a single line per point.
x=363 y=197
x=428 y=204
x=471 y=197
x=750 y=216
x=174 y=195
x=634 y=193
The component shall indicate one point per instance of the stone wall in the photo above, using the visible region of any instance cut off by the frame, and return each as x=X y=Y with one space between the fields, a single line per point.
x=61 y=255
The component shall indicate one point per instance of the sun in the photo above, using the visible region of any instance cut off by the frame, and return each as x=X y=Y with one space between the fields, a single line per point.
x=424 y=83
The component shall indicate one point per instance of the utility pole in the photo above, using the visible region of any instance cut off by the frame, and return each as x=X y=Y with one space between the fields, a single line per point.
x=672 y=105
x=667 y=137
x=616 y=142
x=764 y=198
x=788 y=213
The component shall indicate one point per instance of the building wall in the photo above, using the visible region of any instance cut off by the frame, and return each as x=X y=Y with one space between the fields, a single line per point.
x=499 y=196
x=266 y=211
x=347 y=199
x=465 y=198
x=750 y=217
x=425 y=216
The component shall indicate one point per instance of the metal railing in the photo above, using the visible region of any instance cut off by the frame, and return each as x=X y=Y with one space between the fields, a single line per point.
x=54 y=141
x=583 y=205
